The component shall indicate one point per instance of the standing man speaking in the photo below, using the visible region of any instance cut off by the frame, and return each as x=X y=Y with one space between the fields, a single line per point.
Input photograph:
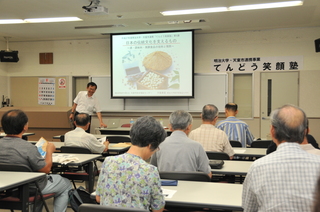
x=86 y=102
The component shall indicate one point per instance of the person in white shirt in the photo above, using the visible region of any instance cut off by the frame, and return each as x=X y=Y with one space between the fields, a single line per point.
x=87 y=102
x=79 y=137
x=305 y=145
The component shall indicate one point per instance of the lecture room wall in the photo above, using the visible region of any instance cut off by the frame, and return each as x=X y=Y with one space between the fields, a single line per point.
x=3 y=79
x=91 y=57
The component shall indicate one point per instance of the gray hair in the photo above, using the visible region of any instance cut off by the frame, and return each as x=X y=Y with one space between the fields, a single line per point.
x=82 y=119
x=180 y=120
x=147 y=130
x=290 y=123
x=209 y=112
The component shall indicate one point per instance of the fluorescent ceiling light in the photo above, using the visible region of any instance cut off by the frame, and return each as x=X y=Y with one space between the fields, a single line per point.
x=11 y=21
x=191 y=21
x=234 y=8
x=266 y=5
x=194 y=11
x=58 y=19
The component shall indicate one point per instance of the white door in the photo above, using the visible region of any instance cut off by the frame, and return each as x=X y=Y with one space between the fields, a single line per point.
x=277 y=89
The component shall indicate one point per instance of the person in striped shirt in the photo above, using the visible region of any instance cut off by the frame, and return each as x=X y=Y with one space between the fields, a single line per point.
x=235 y=129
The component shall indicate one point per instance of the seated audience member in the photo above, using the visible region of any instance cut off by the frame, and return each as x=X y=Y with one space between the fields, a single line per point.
x=284 y=180
x=15 y=150
x=127 y=180
x=211 y=138
x=178 y=152
x=235 y=129
x=305 y=145
x=311 y=144
x=79 y=136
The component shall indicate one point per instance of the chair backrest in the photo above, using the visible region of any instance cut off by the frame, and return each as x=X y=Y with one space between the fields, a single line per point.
x=217 y=155
x=103 y=208
x=117 y=139
x=261 y=144
x=14 y=167
x=235 y=143
x=62 y=138
x=190 y=176
x=75 y=149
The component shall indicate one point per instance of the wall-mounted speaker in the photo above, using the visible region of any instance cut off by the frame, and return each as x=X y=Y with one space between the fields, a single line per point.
x=9 y=56
x=317 y=45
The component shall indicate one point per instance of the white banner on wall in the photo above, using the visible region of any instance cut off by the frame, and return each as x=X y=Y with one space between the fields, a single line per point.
x=251 y=64
x=46 y=91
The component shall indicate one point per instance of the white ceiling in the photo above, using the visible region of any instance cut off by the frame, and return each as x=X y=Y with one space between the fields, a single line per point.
x=135 y=14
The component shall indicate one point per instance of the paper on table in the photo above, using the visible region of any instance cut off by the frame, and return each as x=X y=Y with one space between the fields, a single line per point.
x=168 y=193
x=121 y=144
x=103 y=139
x=64 y=158
x=239 y=150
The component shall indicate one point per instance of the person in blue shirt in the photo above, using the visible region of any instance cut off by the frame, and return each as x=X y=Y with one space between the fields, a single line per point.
x=235 y=129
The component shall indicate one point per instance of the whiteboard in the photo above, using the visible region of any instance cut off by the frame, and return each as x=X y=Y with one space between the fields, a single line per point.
x=208 y=89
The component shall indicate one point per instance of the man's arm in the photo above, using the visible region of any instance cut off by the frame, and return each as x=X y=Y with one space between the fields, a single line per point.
x=98 y=199
x=95 y=145
x=203 y=161
x=50 y=149
x=249 y=199
x=106 y=143
x=249 y=136
x=73 y=110
x=227 y=146
x=100 y=120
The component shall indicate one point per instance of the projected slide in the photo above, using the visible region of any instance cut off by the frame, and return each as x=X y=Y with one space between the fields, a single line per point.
x=158 y=64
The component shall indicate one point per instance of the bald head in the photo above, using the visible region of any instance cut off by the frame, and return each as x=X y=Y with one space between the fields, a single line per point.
x=209 y=112
x=231 y=109
x=13 y=122
x=82 y=119
x=289 y=123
